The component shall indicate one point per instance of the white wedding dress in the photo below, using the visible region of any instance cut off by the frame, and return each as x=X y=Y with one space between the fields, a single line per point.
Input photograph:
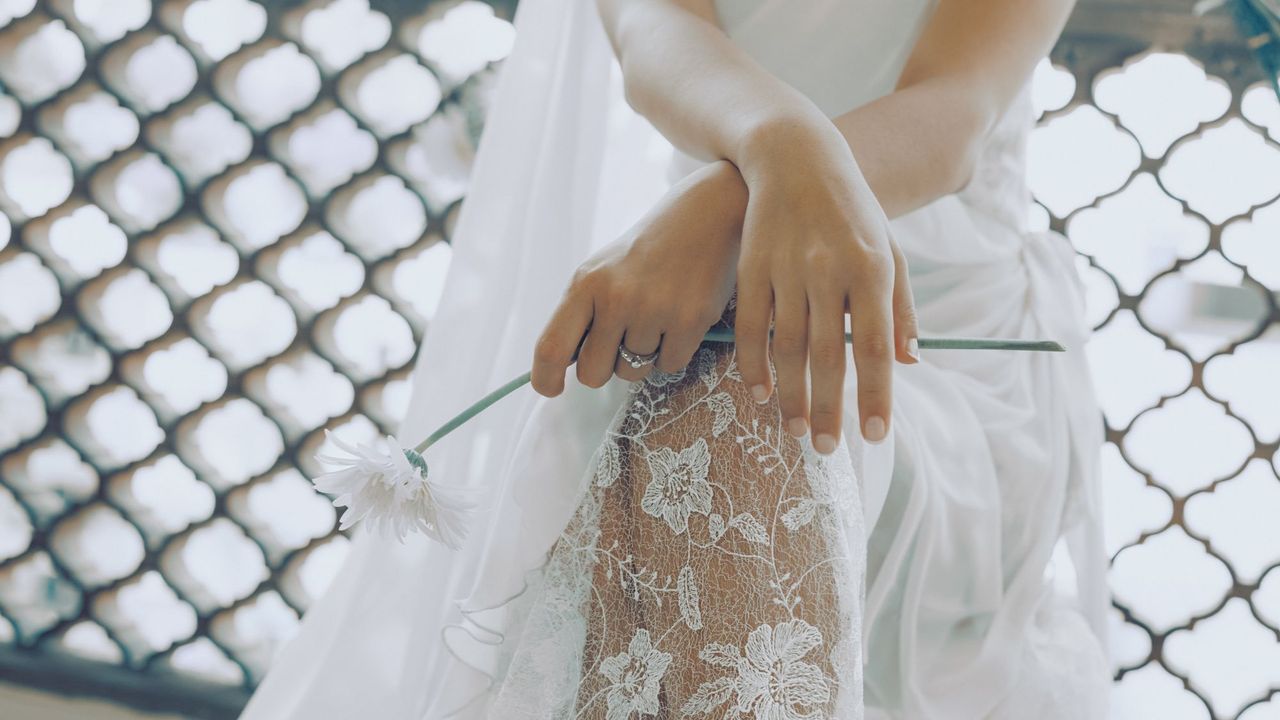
x=662 y=550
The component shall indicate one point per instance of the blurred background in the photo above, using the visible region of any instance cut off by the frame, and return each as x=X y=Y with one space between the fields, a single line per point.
x=224 y=227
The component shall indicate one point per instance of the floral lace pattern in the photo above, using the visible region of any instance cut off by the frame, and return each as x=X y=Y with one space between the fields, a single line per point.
x=678 y=485
x=714 y=568
x=635 y=675
x=773 y=680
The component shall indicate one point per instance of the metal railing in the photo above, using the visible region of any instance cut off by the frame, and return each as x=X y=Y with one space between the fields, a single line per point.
x=183 y=282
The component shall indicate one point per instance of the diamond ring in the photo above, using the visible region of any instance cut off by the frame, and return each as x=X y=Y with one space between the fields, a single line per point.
x=636 y=360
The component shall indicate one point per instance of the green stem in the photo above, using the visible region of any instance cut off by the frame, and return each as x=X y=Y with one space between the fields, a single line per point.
x=939 y=343
x=726 y=336
x=475 y=409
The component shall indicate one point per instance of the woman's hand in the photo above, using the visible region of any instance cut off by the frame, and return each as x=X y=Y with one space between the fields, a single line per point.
x=816 y=245
x=659 y=287
x=812 y=207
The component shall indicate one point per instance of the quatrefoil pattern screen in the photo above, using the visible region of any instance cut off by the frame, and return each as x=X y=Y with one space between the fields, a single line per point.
x=224 y=228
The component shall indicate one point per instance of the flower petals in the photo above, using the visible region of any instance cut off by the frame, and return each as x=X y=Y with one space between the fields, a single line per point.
x=377 y=483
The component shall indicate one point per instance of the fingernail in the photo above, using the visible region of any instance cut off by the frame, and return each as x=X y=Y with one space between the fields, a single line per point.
x=874 y=429
x=760 y=393
x=797 y=427
x=913 y=349
x=824 y=444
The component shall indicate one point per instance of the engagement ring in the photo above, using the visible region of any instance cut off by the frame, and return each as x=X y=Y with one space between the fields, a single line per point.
x=636 y=360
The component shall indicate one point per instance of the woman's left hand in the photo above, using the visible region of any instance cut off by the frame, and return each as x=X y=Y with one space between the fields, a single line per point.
x=816 y=247
x=658 y=288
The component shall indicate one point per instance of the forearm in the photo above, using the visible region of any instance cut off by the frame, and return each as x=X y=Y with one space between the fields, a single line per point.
x=699 y=89
x=971 y=60
x=915 y=145
x=909 y=152
x=912 y=146
x=713 y=101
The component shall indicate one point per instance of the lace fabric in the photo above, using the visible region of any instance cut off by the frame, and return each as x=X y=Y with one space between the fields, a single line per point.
x=715 y=568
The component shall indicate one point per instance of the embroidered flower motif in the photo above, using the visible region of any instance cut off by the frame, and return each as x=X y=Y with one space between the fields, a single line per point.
x=379 y=482
x=635 y=677
x=678 y=484
x=828 y=483
x=774 y=682
x=658 y=379
x=827 y=489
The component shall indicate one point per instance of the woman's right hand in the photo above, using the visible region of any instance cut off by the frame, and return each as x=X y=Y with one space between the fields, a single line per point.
x=816 y=245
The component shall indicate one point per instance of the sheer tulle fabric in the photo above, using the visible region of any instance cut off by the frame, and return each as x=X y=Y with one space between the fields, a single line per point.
x=614 y=551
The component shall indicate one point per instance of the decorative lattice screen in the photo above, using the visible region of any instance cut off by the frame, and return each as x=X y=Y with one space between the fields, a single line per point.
x=224 y=229
x=1163 y=168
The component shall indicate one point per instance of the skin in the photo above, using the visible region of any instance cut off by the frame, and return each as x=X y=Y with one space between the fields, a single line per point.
x=793 y=207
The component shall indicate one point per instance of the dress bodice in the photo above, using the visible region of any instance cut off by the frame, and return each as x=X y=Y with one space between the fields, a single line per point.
x=840 y=53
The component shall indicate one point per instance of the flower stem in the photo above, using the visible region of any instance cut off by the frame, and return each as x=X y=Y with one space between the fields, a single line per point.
x=938 y=343
x=726 y=336
x=475 y=409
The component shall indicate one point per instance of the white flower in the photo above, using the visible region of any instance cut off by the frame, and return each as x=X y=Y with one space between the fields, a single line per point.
x=773 y=679
x=379 y=483
x=635 y=677
x=678 y=484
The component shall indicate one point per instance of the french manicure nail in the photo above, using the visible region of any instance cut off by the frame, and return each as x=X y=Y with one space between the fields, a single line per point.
x=874 y=429
x=760 y=393
x=913 y=349
x=797 y=427
x=824 y=444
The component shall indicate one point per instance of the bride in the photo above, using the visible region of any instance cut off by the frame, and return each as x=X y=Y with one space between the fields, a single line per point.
x=744 y=530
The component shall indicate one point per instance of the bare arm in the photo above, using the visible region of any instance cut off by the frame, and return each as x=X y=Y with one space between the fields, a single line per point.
x=965 y=70
x=914 y=145
x=809 y=196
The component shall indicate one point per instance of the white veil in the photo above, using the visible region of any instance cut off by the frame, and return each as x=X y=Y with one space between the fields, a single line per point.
x=539 y=202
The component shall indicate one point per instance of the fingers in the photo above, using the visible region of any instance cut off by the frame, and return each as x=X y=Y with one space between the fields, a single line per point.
x=679 y=344
x=790 y=352
x=641 y=338
x=559 y=341
x=905 y=329
x=599 y=352
x=751 y=332
x=873 y=348
x=826 y=368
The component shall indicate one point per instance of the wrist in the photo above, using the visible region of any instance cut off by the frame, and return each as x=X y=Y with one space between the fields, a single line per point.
x=786 y=142
x=723 y=191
